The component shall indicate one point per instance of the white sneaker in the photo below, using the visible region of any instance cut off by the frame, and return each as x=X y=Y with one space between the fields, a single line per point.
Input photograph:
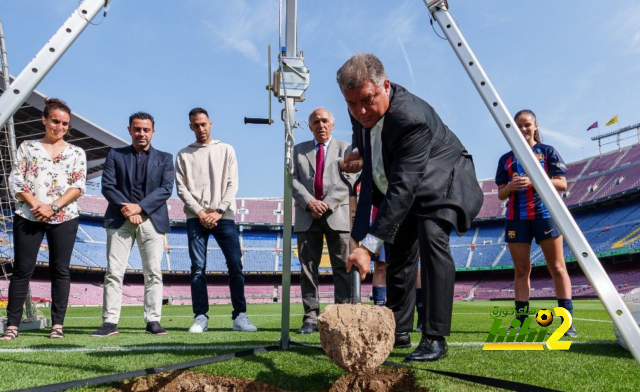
x=242 y=323
x=199 y=324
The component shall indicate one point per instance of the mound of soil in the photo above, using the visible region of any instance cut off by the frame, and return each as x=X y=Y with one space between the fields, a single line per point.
x=192 y=381
x=382 y=380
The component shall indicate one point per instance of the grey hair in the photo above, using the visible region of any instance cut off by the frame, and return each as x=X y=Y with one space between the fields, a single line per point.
x=331 y=117
x=360 y=68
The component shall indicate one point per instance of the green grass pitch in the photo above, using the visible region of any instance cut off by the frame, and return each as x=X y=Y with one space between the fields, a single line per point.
x=595 y=362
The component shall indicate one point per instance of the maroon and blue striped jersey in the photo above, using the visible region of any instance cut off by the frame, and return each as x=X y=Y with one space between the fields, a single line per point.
x=527 y=204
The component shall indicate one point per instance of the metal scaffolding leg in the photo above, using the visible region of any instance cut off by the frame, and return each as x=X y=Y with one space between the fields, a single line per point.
x=32 y=318
x=291 y=49
x=47 y=57
x=581 y=249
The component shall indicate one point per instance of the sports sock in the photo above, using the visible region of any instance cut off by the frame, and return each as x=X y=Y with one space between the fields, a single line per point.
x=567 y=304
x=524 y=305
x=379 y=295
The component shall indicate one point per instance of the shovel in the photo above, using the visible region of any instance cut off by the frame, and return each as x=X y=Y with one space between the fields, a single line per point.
x=354 y=276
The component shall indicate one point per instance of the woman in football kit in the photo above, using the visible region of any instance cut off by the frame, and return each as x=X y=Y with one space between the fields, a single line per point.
x=527 y=217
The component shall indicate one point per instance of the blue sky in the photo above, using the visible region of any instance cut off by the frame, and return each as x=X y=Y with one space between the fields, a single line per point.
x=572 y=62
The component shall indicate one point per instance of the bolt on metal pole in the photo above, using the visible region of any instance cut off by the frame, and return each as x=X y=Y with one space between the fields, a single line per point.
x=577 y=242
x=291 y=48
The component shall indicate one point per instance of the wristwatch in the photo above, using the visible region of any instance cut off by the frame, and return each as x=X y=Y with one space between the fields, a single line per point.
x=54 y=208
x=220 y=211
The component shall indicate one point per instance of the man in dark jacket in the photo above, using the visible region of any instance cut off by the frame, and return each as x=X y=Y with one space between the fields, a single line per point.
x=137 y=181
x=423 y=181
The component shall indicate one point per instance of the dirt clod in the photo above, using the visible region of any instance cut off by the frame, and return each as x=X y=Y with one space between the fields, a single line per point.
x=192 y=382
x=382 y=380
x=358 y=338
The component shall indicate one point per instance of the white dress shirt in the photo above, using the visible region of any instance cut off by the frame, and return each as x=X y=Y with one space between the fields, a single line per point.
x=326 y=145
x=371 y=242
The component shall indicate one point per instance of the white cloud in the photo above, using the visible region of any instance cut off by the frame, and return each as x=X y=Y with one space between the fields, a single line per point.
x=566 y=140
x=490 y=20
x=237 y=26
x=625 y=27
x=406 y=59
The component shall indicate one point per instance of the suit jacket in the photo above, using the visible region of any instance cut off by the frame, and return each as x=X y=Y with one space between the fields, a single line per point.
x=429 y=171
x=335 y=192
x=116 y=186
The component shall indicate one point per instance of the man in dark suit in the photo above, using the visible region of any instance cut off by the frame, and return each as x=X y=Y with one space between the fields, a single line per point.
x=423 y=182
x=137 y=180
x=322 y=211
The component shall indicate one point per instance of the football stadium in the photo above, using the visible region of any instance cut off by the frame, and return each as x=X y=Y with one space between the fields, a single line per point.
x=602 y=197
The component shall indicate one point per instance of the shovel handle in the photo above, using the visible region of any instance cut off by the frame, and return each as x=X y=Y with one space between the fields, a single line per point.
x=354 y=277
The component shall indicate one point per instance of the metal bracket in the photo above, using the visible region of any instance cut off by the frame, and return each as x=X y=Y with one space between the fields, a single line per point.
x=295 y=77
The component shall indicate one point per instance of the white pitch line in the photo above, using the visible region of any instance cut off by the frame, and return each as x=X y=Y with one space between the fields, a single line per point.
x=219 y=348
x=125 y=349
x=594 y=321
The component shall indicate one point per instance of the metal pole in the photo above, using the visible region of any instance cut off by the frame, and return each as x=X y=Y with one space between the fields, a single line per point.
x=5 y=74
x=37 y=69
x=13 y=149
x=290 y=43
x=576 y=240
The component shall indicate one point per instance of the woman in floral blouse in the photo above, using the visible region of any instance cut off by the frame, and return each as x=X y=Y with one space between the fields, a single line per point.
x=47 y=178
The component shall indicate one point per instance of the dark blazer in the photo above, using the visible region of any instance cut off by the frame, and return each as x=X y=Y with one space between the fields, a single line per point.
x=429 y=171
x=116 y=186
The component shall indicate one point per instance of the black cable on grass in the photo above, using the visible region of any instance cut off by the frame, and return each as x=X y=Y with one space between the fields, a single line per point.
x=489 y=381
x=87 y=382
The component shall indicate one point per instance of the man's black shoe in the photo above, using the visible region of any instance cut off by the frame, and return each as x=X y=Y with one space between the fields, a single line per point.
x=308 y=328
x=154 y=328
x=428 y=350
x=106 y=329
x=403 y=340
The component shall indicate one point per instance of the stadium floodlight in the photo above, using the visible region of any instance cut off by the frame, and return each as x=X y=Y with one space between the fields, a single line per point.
x=581 y=249
x=24 y=84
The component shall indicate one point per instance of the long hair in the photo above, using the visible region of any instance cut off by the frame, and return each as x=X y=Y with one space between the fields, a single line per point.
x=536 y=134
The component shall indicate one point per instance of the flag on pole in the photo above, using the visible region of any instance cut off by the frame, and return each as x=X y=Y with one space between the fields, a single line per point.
x=592 y=126
x=613 y=120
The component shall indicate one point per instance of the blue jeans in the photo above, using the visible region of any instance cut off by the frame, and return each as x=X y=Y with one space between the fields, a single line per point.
x=226 y=235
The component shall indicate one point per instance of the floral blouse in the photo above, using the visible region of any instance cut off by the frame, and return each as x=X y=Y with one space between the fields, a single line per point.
x=46 y=179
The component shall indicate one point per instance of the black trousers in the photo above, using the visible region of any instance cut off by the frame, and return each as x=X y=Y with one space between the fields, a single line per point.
x=27 y=236
x=429 y=239
x=310 y=244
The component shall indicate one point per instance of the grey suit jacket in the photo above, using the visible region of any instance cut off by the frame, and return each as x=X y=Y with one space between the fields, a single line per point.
x=335 y=192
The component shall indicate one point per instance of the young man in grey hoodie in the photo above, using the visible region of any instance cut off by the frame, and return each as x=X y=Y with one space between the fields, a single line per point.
x=207 y=181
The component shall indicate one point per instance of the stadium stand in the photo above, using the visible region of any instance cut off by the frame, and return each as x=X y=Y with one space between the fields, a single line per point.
x=603 y=197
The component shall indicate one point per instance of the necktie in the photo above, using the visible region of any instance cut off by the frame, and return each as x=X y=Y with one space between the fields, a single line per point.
x=317 y=182
x=363 y=211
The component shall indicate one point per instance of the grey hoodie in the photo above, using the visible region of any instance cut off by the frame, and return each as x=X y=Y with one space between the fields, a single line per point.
x=207 y=178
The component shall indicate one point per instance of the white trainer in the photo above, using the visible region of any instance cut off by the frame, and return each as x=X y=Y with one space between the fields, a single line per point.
x=199 y=324
x=242 y=323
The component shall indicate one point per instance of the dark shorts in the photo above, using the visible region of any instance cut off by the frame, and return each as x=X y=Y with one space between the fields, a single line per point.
x=523 y=231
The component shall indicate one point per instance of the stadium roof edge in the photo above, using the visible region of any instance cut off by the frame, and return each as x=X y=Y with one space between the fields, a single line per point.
x=36 y=99
x=95 y=140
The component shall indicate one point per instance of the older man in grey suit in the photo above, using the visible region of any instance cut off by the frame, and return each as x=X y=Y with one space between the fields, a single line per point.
x=322 y=211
